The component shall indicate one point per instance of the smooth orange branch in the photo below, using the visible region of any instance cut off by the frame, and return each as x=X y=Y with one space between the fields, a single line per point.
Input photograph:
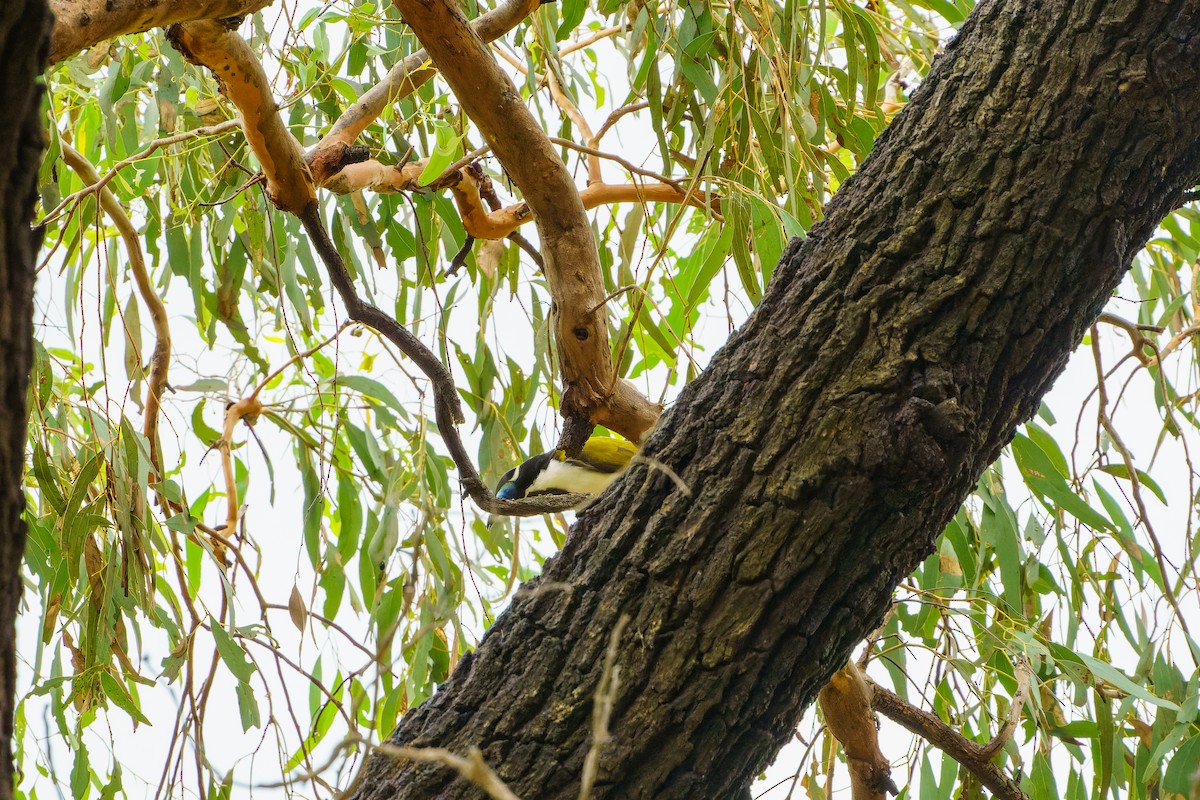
x=607 y=194
x=846 y=705
x=577 y=119
x=591 y=39
x=572 y=263
x=483 y=223
x=248 y=409
x=80 y=24
x=242 y=79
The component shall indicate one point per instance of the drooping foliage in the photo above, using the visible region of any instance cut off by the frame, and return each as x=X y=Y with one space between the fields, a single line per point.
x=269 y=597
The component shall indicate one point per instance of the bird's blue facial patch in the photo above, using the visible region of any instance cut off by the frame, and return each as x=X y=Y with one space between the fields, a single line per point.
x=508 y=491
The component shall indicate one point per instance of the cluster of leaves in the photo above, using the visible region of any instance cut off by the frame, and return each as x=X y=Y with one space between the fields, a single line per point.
x=385 y=578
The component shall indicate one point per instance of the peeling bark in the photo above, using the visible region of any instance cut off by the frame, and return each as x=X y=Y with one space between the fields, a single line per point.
x=80 y=24
x=829 y=442
x=24 y=43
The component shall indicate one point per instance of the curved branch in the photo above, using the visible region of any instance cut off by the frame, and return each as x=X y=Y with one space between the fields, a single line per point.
x=376 y=177
x=160 y=357
x=248 y=409
x=578 y=120
x=975 y=758
x=447 y=409
x=483 y=223
x=572 y=263
x=242 y=79
x=607 y=194
x=80 y=24
x=846 y=704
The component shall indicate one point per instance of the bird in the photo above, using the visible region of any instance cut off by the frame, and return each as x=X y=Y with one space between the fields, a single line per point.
x=598 y=464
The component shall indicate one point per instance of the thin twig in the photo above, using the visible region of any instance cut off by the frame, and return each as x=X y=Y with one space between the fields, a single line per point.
x=473 y=768
x=299 y=357
x=603 y=33
x=578 y=120
x=101 y=181
x=1134 y=481
x=633 y=168
x=160 y=357
x=1024 y=678
x=602 y=707
x=612 y=120
x=447 y=409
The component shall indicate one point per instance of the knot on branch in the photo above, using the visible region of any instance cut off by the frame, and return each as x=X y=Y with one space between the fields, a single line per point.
x=325 y=162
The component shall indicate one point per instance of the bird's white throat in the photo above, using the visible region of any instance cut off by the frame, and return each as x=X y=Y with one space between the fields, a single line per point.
x=566 y=477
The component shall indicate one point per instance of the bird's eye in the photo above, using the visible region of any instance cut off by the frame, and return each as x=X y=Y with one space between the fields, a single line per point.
x=508 y=491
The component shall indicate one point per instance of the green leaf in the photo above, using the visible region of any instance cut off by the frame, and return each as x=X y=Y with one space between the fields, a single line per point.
x=373 y=390
x=232 y=653
x=1040 y=784
x=447 y=150
x=79 y=490
x=116 y=691
x=47 y=480
x=314 y=506
x=1043 y=478
x=109 y=792
x=998 y=529
x=1110 y=674
x=81 y=772
x=1121 y=471
x=572 y=15
x=1183 y=774
x=247 y=706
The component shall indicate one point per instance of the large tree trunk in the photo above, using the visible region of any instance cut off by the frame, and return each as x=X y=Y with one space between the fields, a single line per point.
x=24 y=44
x=839 y=430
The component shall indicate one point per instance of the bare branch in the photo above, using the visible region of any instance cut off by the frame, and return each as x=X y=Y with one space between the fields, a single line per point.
x=1024 y=678
x=160 y=356
x=846 y=704
x=578 y=120
x=929 y=727
x=612 y=120
x=602 y=707
x=473 y=767
x=591 y=39
x=80 y=24
x=247 y=409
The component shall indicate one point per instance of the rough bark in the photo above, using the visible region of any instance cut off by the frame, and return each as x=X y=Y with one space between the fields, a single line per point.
x=24 y=44
x=838 y=431
x=81 y=24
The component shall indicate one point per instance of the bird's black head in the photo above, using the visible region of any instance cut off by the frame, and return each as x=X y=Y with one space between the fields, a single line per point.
x=516 y=482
